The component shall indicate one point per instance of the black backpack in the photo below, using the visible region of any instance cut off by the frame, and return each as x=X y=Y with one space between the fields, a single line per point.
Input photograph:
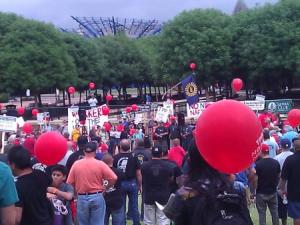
x=224 y=209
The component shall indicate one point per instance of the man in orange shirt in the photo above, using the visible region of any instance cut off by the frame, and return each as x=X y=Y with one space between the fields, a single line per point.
x=87 y=176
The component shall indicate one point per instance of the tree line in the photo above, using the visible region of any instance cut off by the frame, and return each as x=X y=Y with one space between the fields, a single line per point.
x=261 y=46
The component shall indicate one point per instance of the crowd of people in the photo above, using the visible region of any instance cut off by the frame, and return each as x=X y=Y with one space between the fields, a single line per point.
x=147 y=172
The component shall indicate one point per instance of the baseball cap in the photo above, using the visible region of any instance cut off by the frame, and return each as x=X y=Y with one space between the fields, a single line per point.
x=90 y=147
x=264 y=148
x=285 y=143
x=156 y=151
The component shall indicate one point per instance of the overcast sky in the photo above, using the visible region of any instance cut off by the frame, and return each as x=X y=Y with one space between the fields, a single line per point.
x=58 y=12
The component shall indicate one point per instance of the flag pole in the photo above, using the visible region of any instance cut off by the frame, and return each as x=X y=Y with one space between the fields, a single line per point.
x=176 y=85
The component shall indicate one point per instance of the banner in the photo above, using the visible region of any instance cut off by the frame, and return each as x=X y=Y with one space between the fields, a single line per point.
x=73 y=118
x=190 y=90
x=162 y=114
x=8 y=123
x=195 y=110
x=255 y=105
x=280 y=105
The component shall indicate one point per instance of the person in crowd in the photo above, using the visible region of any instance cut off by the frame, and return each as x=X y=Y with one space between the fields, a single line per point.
x=176 y=153
x=64 y=127
x=113 y=195
x=186 y=135
x=290 y=183
x=174 y=131
x=132 y=183
x=68 y=154
x=10 y=143
x=82 y=141
x=75 y=133
x=29 y=144
x=33 y=207
x=60 y=194
x=87 y=176
x=290 y=133
x=195 y=202
x=267 y=171
x=273 y=146
x=92 y=101
x=285 y=152
x=156 y=187
x=8 y=196
x=93 y=133
x=138 y=135
x=162 y=136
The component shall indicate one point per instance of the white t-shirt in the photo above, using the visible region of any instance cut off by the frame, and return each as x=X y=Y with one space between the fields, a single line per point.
x=92 y=102
x=282 y=157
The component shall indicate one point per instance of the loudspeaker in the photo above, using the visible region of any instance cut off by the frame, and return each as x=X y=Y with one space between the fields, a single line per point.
x=181 y=119
x=81 y=115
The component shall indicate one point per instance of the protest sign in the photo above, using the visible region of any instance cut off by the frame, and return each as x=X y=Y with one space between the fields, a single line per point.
x=8 y=123
x=280 y=105
x=255 y=105
x=73 y=118
x=162 y=114
x=194 y=111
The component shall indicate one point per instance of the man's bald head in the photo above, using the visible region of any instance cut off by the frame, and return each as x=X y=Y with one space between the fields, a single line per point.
x=125 y=145
x=297 y=145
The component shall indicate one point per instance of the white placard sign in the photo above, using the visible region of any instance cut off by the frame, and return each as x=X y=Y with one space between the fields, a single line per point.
x=8 y=123
x=195 y=110
x=170 y=106
x=255 y=105
x=40 y=118
x=73 y=118
x=162 y=114
x=260 y=98
x=138 y=118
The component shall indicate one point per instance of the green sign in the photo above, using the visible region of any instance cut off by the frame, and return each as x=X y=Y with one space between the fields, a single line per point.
x=280 y=105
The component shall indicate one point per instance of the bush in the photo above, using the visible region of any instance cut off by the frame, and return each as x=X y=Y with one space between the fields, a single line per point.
x=4 y=97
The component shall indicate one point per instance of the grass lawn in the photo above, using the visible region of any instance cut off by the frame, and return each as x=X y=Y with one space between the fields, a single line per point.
x=254 y=216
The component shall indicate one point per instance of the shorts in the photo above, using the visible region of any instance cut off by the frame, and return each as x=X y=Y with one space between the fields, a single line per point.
x=282 y=209
x=294 y=210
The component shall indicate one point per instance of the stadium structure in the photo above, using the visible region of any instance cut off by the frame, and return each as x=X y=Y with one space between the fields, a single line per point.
x=94 y=27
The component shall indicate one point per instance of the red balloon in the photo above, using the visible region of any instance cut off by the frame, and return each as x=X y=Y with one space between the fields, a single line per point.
x=21 y=111
x=34 y=112
x=193 y=66
x=50 y=148
x=237 y=84
x=71 y=90
x=128 y=109
x=27 y=128
x=132 y=131
x=92 y=85
x=173 y=118
x=294 y=117
x=107 y=126
x=228 y=136
x=208 y=104
x=105 y=110
x=108 y=98
x=134 y=107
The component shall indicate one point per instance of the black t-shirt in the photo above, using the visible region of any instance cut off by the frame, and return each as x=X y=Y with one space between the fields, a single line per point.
x=176 y=173
x=73 y=158
x=161 y=130
x=267 y=171
x=156 y=181
x=142 y=155
x=113 y=196
x=291 y=173
x=174 y=131
x=32 y=189
x=128 y=164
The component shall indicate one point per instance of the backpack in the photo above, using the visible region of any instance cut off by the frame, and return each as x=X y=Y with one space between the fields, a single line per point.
x=224 y=209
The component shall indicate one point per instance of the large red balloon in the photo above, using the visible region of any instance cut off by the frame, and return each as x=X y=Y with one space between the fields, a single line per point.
x=108 y=98
x=128 y=109
x=228 y=135
x=50 y=148
x=92 y=85
x=34 y=112
x=105 y=110
x=21 y=111
x=27 y=128
x=134 y=107
x=294 y=117
x=71 y=90
x=237 y=84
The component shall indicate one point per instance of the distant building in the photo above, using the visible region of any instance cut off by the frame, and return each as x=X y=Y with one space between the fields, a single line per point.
x=240 y=7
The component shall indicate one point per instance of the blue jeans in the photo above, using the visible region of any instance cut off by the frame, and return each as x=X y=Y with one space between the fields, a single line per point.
x=130 y=188
x=90 y=209
x=117 y=216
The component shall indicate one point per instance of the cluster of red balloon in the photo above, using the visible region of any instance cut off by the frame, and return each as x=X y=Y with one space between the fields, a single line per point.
x=228 y=135
x=133 y=108
x=50 y=148
x=294 y=117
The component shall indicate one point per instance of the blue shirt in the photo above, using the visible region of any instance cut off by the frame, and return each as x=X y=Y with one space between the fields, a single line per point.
x=290 y=135
x=8 y=192
x=273 y=148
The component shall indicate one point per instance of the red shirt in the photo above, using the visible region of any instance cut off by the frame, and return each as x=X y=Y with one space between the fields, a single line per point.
x=263 y=120
x=176 y=154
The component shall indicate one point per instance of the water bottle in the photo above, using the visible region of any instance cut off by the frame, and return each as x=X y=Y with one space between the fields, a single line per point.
x=284 y=200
